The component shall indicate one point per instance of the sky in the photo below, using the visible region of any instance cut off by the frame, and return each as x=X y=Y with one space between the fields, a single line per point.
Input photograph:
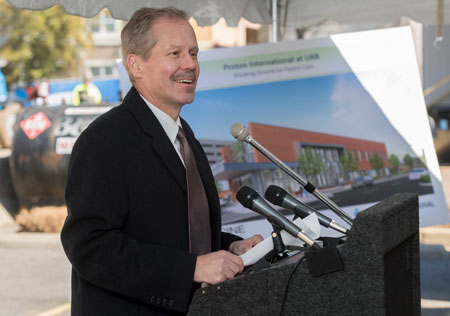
x=334 y=104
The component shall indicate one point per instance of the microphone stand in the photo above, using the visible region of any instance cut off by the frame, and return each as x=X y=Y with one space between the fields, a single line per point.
x=307 y=185
x=279 y=247
x=277 y=254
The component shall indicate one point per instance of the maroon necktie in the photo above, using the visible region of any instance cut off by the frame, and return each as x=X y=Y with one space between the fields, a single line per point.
x=198 y=209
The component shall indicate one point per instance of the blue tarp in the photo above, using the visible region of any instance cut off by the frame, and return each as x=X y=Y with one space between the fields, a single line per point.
x=3 y=90
x=109 y=88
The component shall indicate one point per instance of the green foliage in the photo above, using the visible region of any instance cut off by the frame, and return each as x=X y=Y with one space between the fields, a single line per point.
x=408 y=160
x=425 y=179
x=376 y=161
x=349 y=161
x=394 y=163
x=238 y=152
x=310 y=162
x=219 y=186
x=40 y=43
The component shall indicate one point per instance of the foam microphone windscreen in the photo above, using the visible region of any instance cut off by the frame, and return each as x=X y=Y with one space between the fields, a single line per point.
x=239 y=131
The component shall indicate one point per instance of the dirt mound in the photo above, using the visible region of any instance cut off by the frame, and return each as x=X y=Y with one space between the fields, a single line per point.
x=48 y=219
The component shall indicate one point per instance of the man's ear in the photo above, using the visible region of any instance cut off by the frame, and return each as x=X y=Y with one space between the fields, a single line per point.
x=134 y=65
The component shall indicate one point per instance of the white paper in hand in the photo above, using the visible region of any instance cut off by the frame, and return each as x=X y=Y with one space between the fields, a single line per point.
x=310 y=226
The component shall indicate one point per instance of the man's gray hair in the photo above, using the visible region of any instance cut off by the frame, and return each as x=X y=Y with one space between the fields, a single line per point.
x=137 y=37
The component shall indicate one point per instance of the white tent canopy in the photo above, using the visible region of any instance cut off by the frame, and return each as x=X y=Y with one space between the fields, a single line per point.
x=205 y=12
x=308 y=12
x=299 y=12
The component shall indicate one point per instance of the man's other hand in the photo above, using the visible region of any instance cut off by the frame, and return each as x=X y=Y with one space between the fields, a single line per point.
x=217 y=267
x=240 y=247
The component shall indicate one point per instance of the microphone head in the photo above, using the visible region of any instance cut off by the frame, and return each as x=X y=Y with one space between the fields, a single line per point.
x=239 y=131
x=275 y=195
x=246 y=196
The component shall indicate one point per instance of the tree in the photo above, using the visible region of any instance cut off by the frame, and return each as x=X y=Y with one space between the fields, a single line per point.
x=349 y=161
x=238 y=152
x=408 y=160
x=40 y=44
x=219 y=186
x=394 y=163
x=377 y=162
x=310 y=162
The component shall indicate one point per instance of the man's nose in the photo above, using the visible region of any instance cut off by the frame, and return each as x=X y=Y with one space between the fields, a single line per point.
x=189 y=61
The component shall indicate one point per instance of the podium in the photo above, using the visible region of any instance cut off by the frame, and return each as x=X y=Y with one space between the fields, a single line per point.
x=380 y=274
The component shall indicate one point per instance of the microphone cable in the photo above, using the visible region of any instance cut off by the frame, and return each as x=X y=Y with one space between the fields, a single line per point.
x=289 y=282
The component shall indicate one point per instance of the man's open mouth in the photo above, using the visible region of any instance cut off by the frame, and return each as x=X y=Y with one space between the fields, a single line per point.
x=186 y=77
x=188 y=81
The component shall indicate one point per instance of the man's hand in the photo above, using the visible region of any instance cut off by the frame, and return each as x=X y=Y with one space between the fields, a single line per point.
x=216 y=267
x=240 y=247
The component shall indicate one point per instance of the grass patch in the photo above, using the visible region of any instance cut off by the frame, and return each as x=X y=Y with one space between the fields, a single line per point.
x=47 y=219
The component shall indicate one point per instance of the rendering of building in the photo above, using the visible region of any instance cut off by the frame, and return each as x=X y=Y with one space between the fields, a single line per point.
x=244 y=165
x=213 y=149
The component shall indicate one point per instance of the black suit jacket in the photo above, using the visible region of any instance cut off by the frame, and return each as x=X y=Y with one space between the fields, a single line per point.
x=126 y=233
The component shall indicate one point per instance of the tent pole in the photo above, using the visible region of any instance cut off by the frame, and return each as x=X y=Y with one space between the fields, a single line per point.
x=274 y=21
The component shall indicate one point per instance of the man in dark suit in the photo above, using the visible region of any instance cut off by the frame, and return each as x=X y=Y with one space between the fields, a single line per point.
x=129 y=230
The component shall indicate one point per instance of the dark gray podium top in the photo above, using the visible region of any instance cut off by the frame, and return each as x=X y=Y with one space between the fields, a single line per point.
x=380 y=256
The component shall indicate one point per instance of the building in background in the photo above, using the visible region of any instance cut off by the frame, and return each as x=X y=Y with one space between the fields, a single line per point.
x=436 y=82
x=100 y=60
x=221 y=35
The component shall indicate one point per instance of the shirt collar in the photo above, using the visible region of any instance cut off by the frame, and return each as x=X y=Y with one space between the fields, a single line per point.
x=169 y=125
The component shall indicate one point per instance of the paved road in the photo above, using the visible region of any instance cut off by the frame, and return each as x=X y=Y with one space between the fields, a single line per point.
x=435 y=279
x=236 y=213
x=34 y=274
x=377 y=192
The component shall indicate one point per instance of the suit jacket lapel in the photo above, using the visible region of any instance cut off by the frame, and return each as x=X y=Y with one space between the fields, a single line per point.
x=160 y=142
x=164 y=149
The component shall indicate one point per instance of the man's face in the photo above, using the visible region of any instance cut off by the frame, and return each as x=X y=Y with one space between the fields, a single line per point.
x=169 y=76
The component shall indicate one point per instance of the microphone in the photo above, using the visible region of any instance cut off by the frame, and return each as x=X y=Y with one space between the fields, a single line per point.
x=280 y=197
x=240 y=132
x=250 y=199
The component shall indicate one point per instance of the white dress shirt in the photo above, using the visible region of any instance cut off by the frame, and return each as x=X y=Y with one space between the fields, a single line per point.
x=169 y=125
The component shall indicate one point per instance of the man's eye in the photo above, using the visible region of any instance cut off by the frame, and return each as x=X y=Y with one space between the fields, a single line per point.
x=194 y=55
x=173 y=53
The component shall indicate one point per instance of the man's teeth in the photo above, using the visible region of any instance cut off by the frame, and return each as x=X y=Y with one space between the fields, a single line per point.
x=184 y=80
